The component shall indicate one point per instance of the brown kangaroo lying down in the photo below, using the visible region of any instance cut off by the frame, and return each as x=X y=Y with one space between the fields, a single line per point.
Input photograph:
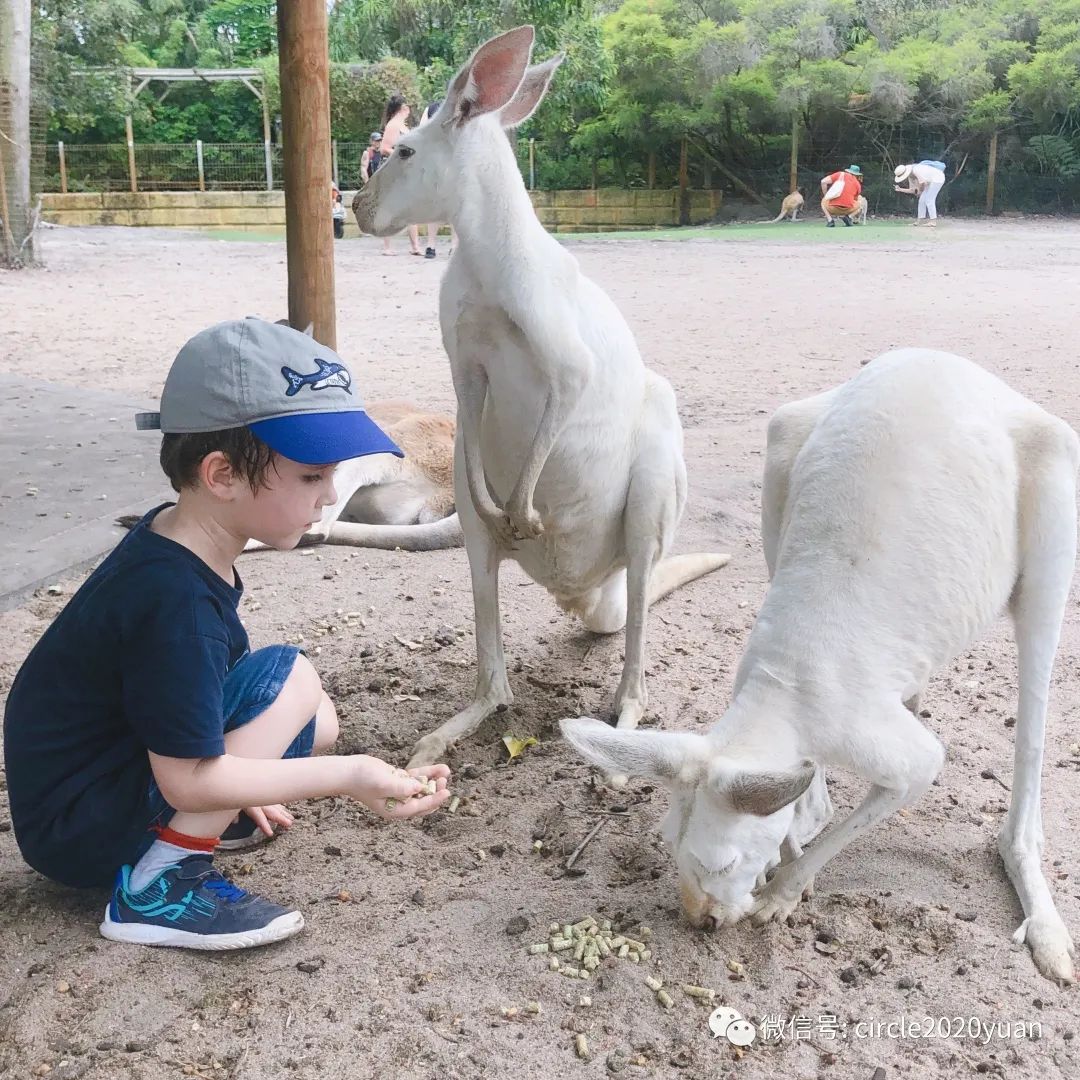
x=390 y=502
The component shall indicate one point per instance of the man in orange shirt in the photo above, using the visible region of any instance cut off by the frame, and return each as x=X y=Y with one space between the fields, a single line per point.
x=839 y=193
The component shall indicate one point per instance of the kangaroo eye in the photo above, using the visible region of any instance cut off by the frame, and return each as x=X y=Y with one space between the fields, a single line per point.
x=718 y=872
x=405 y=152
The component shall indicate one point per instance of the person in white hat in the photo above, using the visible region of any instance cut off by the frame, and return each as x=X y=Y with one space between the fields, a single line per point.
x=924 y=180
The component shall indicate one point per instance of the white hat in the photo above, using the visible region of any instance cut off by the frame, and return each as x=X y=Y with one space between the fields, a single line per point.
x=902 y=172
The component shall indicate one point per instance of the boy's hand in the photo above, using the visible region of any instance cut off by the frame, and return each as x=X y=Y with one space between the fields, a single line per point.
x=266 y=817
x=373 y=782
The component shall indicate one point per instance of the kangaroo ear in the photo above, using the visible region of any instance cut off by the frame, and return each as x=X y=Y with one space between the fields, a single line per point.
x=490 y=76
x=530 y=93
x=763 y=793
x=671 y=757
x=309 y=329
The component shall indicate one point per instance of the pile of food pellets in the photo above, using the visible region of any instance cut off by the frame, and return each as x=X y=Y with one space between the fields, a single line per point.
x=576 y=949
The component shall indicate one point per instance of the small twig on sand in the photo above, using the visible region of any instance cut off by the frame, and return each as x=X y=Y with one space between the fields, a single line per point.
x=584 y=843
x=792 y=967
x=448 y=1036
x=609 y=813
x=989 y=774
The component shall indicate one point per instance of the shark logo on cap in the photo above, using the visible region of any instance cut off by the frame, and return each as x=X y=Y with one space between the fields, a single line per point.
x=328 y=375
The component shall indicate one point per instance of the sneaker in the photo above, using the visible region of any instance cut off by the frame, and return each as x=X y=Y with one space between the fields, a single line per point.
x=847 y=221
x=830 y=224
x=190 y=905
x=241 y=834
x=429 y=253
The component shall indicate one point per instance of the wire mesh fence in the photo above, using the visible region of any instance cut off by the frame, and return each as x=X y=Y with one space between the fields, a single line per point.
x=193 y=166
x=201 y=166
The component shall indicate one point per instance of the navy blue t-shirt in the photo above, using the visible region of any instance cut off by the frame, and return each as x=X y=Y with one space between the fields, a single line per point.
x=135 y=662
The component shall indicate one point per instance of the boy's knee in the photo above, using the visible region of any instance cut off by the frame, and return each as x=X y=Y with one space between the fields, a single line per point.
x=304 y=687
x=326 y=725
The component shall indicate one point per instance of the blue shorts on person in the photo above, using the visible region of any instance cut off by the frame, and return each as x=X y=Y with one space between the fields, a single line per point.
x=250 y=688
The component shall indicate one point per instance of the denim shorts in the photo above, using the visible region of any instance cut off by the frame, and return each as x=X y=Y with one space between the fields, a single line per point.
x=251 y=687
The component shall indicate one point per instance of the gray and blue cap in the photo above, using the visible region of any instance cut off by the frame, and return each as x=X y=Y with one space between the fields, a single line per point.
x=294 y=394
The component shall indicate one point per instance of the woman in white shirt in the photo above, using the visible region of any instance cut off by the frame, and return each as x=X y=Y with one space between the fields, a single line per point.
x=924 y=180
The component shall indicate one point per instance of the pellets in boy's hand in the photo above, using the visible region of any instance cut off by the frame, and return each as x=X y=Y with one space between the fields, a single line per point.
x=430 y=787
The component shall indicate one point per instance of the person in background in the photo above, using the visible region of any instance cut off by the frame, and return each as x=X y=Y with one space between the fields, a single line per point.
x=370 y=159
x=433 y=227
x=840 y=193
x=394 y=126
x=925 y=179
x=337 y=211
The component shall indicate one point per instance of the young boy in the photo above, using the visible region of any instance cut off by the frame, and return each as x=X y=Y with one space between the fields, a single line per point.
x=140 y=724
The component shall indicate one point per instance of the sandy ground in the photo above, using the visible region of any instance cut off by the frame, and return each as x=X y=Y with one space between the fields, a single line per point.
x=410 y=952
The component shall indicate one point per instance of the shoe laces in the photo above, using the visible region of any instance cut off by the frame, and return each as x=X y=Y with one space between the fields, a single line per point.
x=224 y=888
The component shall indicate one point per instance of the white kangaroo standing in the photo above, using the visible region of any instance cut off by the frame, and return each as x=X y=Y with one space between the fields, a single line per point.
x=901 y=513
x=568 y=456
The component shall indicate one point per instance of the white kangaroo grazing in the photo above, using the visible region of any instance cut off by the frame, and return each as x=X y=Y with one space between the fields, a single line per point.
x=901 y=513
x=568 y=456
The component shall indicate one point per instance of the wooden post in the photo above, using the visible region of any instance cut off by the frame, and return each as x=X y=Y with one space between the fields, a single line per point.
x=63 y=168
x=684 y=184
x=991 y=173
x=17 y=246
x=9 y=248
x=305 y=119
x=131 y=154
x=793 y=170
x=652 y=169
x=267 y=157
x=532 y=164
x=333 y=157
x=199 y=159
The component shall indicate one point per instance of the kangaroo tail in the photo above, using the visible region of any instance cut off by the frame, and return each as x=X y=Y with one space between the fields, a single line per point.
x=434 y=536
x=670 y=574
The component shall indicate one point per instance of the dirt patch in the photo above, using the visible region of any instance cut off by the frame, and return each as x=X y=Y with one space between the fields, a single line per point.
x=407 y=964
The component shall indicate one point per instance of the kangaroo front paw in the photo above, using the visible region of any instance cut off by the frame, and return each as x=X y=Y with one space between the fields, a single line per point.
x=525 y=521
x=778 y=899
x=497 y=522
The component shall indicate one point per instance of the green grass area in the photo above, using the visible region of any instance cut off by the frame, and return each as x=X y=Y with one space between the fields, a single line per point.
x=812 y=230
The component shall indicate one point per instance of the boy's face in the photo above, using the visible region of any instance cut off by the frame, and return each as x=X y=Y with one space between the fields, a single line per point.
x=288 y=505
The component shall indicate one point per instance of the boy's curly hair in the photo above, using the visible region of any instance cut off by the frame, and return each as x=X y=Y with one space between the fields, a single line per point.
x=247 y=454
